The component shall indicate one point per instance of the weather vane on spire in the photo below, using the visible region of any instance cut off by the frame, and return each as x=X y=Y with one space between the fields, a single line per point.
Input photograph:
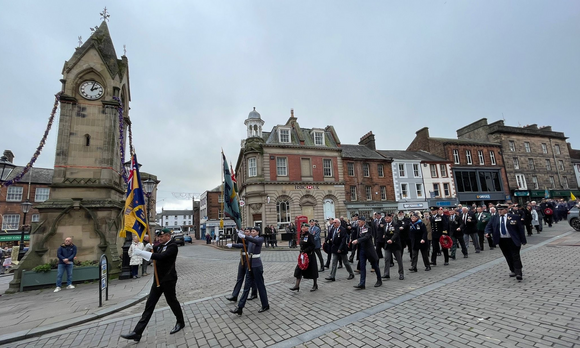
x=80 y=41
x=124 y=50
x=105 y=15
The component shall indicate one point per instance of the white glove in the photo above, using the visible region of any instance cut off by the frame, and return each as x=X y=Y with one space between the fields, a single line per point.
x=229 y=245
x=241 y=235
x=145 y=254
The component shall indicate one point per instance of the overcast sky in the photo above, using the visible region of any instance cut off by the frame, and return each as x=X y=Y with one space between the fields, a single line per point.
x=198 y=67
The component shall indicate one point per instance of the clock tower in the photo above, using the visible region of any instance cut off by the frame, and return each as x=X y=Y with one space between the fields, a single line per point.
x=87 y=193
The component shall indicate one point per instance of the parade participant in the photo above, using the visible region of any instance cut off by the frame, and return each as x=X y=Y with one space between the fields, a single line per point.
x=547 y=208
x=439 y=227
x=507 y=231
x=255 y=275
x=418 y=235
x=456 y=234
x=392 y=247
x=307 y=246
x=528 y=219
x=66 y=254
x=242 y=269
x=164 y=256
x=535 y=219
x=403 y=222
x=339 y=250
x=378 y=228
x=482 y=220
x=352 y=229
x=315 y=232
x=332 y=229
x=368 y=252
x=468 y=225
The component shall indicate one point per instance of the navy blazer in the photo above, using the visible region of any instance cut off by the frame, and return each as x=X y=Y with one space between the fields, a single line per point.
x=514 y=225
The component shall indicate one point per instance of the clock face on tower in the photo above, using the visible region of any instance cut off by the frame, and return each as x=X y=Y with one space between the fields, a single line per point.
x=91 y=90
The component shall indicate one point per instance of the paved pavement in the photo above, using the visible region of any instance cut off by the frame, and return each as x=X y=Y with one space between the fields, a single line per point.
x=472 y=302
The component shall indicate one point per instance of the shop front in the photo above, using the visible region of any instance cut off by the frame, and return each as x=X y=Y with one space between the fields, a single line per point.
x=564 y=194
x=412 y=206
x=521 y=196
x=442 y=202
x=481 y=198
x=367 y=209
x=10 y=239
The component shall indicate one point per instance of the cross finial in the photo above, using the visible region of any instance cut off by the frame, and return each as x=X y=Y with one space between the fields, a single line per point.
x=80 y=41
x=124 y=50
x=105 y=15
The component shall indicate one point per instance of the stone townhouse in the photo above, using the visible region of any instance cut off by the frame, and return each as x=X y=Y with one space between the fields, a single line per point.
x=536 y=158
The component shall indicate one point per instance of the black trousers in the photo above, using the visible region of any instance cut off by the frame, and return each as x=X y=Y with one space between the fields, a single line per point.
x=436 y=249
x=424 y=254
x=168 y=289
x=319 y=254
x=458 y=239
x=511 y=252
x=240 y=280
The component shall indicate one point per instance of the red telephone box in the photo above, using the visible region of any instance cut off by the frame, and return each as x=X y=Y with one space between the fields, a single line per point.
x=298 y=221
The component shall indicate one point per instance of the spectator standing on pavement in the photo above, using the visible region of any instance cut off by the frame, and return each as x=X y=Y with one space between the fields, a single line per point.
x=148 y=247
x=165 y=255
x=135 y=260
x=315 y=232
x=66 y=254
x=256 y=274
x=507 y=231
x=535 y=220
x=242 y=273
x=273 y=239
x=338 y=249
x=308 y=247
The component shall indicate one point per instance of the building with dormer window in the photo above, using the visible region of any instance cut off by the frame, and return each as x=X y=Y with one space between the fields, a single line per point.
x=289 y=171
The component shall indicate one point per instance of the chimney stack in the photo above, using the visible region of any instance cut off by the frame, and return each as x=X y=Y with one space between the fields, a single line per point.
x=9 y=156
x=368 y=140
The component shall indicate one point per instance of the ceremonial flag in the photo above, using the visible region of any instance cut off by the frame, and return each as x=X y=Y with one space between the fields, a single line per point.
x=572 y=196
x=135 y=216
x=231 y=199
x=546 y=193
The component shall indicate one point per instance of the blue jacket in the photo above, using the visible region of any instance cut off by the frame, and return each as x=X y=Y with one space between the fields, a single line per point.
x=66 y=252
x=315 y=232
x=254 y=247
x=514 y=226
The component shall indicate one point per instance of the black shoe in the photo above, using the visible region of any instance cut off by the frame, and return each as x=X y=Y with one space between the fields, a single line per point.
x=491 y=248
x=296 y=288
x=321 y=270
x=512 y=274
x=434 y=263
x=446 y=264
x=232 y=298
x=377 y=284
x=386 y=277
x=350 y=277
x=360 y=287
x=465 y=256
x=314 y=288
x=132 y=336
x=263 y=309
x=438 y=253
x=392 y=265
x=401 y=277
x=180 y=326
x=331 y=279
x=339 y=267
x=427 y=269
x=519 y=278
x=477 y=251
x=453 y=257
x=237 y=311
x=253 y=297
x=413 y=269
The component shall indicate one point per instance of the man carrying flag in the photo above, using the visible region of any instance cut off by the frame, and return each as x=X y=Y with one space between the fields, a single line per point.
x=255 y=269
x=164 y=257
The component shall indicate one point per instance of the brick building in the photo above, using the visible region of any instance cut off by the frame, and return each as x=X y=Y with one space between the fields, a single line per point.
x=287 y=172
x=535 y=158
x=368 y=179
x=33 y=187
x=478 y=168
x=210 y=213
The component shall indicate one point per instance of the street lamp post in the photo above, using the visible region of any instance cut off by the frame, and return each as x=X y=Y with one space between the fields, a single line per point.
x=25 y=209
x=148 y=186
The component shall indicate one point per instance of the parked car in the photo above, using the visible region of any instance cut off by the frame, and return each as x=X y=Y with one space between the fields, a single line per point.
x=573 y=218
x=178 y=238
x=187 y=239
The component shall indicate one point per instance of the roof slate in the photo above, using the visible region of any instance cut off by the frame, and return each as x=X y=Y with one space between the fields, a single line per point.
x=39 y=175
x=360 y=151
x=462 y=141
x=411 y=155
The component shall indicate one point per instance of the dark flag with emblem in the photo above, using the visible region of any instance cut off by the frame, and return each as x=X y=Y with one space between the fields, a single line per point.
x=231 y=199
x=135 y=216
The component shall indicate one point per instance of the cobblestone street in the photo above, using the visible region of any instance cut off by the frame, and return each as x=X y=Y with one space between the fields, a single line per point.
x=472 y=302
